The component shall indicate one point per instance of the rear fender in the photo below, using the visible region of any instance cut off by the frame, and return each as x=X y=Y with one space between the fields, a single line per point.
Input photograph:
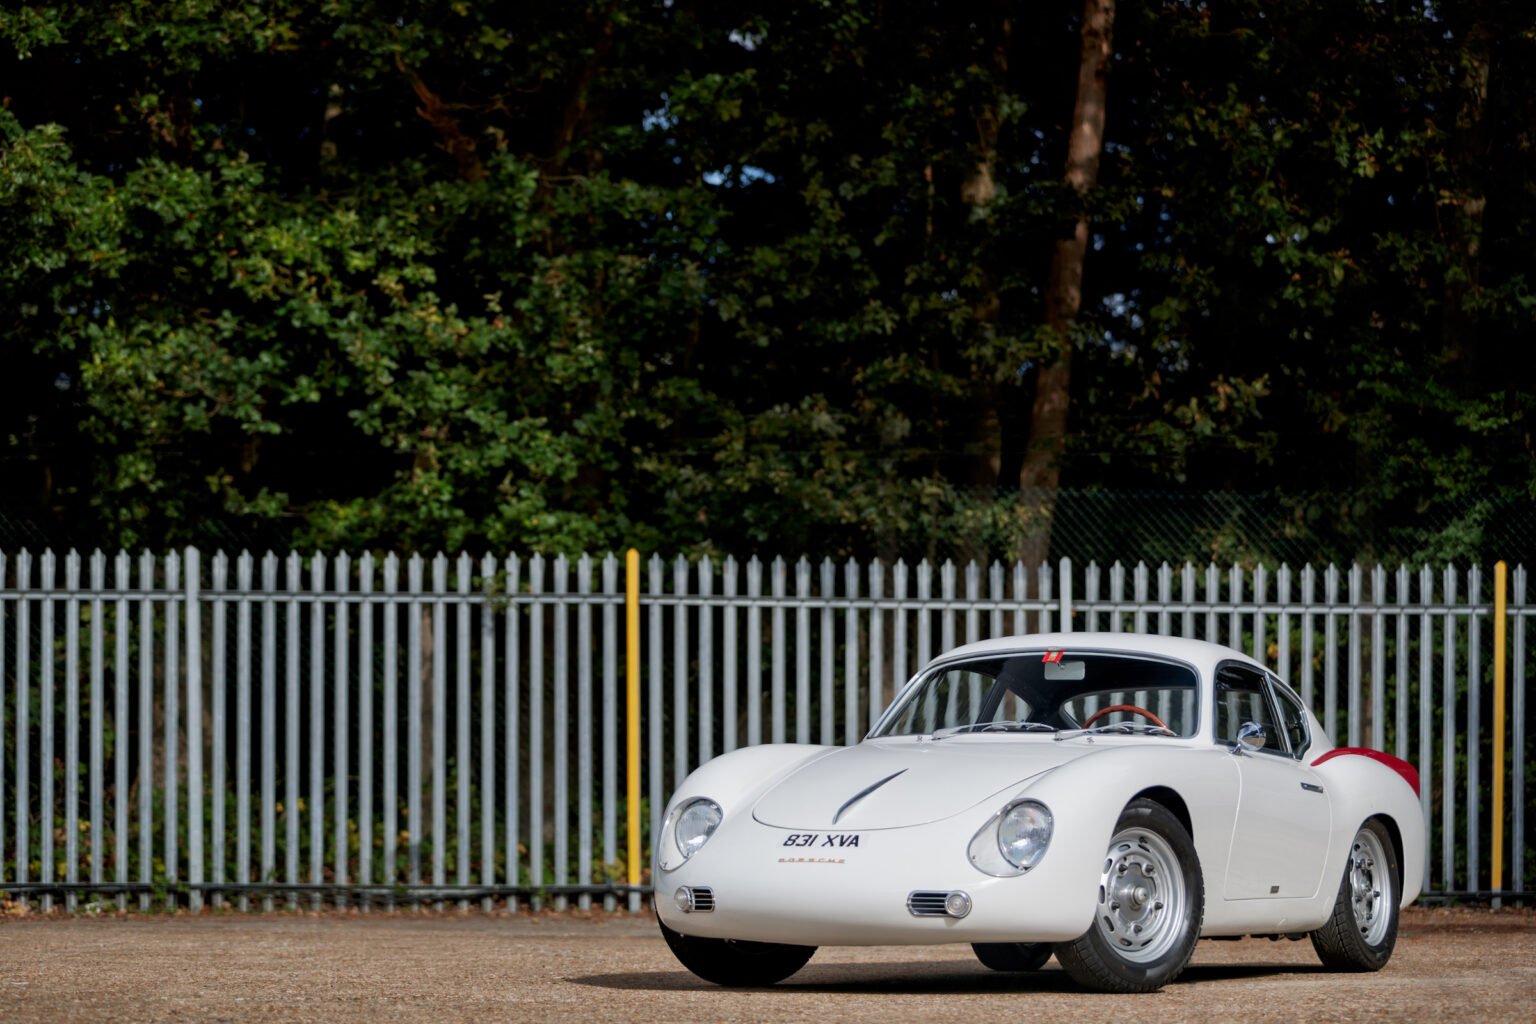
x=1366 y=784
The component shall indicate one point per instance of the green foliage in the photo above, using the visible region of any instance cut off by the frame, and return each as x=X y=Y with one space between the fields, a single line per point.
x=721 y=277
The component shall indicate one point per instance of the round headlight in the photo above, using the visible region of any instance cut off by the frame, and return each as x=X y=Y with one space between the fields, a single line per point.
x=1023 y=833
x=696 y=822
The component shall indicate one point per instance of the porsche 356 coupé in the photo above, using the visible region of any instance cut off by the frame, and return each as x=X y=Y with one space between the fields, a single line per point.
x=1104 y=798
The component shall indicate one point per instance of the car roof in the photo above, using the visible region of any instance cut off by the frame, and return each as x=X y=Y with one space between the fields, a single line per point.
x=1200 y=653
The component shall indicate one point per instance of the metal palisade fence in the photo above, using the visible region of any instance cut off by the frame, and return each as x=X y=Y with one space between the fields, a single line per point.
x=375 y=731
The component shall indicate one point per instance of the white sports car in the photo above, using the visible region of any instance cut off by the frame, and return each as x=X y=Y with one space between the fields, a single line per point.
x=1109 y=798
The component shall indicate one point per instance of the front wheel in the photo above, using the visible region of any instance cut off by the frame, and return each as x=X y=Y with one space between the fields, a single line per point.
x=1012 y=956
x=1362 y=930
x=1150 y=902
x=733 y=963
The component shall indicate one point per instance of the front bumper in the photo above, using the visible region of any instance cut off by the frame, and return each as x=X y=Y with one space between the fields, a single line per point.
x=828 y=895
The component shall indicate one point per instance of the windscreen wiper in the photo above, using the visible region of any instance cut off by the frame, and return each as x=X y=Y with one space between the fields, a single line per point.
x=1005 y=726
x=1120 y=728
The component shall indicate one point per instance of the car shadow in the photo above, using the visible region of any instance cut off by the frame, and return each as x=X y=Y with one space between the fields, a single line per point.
x=923 y=977
x=1197 y=973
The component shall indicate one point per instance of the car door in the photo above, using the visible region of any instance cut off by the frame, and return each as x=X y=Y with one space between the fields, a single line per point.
x=1284 y=817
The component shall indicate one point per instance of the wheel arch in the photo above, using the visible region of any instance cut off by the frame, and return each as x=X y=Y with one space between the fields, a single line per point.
x=1169 y=798
x=1395 y=834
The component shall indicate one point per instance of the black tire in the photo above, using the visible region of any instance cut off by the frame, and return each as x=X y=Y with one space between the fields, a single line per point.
x=1150 y=903
x=1012 y=956
x=1362 y=930
x=733 y=963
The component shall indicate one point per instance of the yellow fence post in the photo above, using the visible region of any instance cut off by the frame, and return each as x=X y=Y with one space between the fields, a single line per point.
x=632 y=717
x=1500 y=614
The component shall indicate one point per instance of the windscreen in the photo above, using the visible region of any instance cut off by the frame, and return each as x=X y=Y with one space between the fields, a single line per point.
x=1051 y=691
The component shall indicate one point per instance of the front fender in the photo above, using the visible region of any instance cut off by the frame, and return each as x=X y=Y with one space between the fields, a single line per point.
x=735 y=781
x=1087 y=795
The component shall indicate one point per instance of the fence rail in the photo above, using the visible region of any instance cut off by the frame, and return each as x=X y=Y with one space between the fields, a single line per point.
x=376 y=730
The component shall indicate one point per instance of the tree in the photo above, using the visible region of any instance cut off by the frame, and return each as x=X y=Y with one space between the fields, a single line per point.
x=745 y=277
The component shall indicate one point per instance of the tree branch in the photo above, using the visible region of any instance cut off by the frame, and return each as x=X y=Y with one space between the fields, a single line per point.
x=436 y=113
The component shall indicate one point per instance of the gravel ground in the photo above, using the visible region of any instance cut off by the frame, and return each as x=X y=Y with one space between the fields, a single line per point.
x=1450 y=965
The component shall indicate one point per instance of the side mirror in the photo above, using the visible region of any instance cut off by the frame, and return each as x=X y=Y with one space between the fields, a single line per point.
x=1250 y=736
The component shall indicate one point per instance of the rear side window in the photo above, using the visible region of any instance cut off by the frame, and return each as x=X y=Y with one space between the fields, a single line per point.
x=1292 y=718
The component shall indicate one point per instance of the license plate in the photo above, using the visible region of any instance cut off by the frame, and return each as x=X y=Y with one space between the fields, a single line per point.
x=822 y=840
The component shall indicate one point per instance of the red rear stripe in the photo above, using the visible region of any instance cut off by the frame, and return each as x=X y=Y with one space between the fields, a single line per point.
x=1409 y=773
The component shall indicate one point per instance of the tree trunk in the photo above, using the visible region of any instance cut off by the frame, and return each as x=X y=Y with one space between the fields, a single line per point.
x=984 y=430
x=1041 y=472
x=984 y=447
x=575 y=112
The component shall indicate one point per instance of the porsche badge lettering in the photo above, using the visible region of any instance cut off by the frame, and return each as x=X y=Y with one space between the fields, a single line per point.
x=823 y=840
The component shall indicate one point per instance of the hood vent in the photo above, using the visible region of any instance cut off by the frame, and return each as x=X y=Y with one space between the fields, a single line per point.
x=861 y=794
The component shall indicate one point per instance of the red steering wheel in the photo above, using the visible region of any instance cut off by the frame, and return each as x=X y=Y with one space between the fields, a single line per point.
x=1133 y=709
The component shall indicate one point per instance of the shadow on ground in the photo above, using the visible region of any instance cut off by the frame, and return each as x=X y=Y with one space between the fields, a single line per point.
x=920 y=977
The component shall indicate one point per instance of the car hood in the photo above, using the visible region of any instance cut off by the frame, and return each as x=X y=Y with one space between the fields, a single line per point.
x=892 y=784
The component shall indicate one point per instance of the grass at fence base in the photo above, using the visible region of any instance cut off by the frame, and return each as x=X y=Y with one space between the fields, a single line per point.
x=168 y=893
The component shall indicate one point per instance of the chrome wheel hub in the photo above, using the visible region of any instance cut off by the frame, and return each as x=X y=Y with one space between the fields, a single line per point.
x=1142 y=900
x=1370 y=886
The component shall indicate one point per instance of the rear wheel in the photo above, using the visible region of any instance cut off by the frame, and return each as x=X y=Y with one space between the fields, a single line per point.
x=1150 y=901
x=733 y=963
x=1360 y=934
x=1012 y=956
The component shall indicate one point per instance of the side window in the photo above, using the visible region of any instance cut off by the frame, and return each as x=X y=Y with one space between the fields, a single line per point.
x=1242 y=695
x=1292 y=718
